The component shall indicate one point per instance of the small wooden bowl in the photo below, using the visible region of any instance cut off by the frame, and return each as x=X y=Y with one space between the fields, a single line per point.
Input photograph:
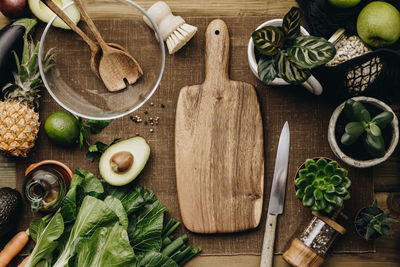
x=362 y=163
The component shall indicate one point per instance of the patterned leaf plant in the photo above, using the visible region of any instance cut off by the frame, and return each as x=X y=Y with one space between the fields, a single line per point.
x=286 y=54
x=322 y=185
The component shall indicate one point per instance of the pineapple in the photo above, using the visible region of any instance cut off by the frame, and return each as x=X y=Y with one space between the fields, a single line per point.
x=19 y=119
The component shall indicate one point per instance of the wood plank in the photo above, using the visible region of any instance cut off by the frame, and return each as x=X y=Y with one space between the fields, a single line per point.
x=100 y=8
x=387 y=176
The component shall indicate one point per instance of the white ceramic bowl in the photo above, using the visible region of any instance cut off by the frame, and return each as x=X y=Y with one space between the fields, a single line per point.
x=362 y=163
x=311 y=84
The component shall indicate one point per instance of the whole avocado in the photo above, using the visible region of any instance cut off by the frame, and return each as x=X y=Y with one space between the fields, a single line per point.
x=10 y=204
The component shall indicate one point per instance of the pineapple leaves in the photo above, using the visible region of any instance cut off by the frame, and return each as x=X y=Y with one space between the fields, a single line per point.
x=289 y=71
x=291 y=23
x=28 y=84
x=266 y=69
x=268 y=40
x=310 y=51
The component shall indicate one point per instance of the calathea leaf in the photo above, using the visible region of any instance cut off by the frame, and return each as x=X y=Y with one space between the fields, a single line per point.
x=291 y=23
x=311 y=51
x=266 y=69
x=268 y=40
x=289 y=71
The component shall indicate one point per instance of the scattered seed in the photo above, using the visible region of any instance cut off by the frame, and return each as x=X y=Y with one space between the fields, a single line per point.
x=137 y=134
x=151 y=130
x=145 y=123
x=162 y=106
x=145 y=112
x=151 y=104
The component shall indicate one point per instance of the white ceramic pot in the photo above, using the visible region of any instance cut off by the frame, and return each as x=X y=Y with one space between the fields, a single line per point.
x=363 y=163
x=311 y=84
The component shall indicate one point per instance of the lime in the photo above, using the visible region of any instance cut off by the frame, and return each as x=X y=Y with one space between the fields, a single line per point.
x=62 y=128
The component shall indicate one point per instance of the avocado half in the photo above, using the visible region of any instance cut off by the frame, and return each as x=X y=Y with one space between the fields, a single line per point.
x=122 y=162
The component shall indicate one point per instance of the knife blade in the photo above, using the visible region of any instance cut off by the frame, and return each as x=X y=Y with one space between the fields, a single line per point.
x=277 y=196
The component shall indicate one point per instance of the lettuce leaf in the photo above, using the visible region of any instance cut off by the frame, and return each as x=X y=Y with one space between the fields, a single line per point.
x=94 y=213
x=145 y=228
x=46 y=236
x=108 y=246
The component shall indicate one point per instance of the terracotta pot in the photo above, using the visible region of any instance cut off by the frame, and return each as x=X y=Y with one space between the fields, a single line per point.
x=63 y=169
x=362 y=163
x=355 y=226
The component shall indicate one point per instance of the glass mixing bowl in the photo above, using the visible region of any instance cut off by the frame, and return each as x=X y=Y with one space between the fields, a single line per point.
x=72 y=83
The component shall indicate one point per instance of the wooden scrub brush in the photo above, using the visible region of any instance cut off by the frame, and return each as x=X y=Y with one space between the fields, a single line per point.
x=174 y=30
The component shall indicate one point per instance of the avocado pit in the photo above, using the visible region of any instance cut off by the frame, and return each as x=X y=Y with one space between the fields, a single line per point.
x=121 y=161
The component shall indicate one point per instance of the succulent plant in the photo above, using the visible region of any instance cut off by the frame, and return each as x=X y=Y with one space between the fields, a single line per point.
x=361 y=125
x=322 y=185
x=286 y=54
x=372 y=222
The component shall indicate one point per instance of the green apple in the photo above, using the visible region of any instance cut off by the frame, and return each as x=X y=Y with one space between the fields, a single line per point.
x=42 y=12
x=378 y=24
x=344 y=3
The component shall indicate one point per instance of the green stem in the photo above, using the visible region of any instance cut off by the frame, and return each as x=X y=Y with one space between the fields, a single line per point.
x=172 y=229
x=175 y=245
x=182 y=254
x=166 y=241
x=193 y=253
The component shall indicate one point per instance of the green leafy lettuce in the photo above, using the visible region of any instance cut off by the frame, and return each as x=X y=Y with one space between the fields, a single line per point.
x=101 y=225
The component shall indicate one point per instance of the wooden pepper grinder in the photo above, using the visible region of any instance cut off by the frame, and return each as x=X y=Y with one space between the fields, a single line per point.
x=174 y=30
x=310 y=248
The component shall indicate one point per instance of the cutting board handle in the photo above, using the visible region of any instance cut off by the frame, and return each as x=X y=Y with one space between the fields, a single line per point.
x=217 y=51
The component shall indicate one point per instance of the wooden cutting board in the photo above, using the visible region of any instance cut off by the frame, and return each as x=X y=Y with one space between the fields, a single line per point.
x=219 y=151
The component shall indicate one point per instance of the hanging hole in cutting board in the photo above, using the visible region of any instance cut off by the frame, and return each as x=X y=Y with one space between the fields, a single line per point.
x=217 y=32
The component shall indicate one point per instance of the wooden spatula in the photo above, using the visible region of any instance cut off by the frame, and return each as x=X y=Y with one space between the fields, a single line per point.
x=219 y=151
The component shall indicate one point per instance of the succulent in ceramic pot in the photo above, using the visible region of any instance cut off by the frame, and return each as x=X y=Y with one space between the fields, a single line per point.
x=361 y=125
x=284 y=53
x=322 y=185
x=363 y=132
x=372 y=222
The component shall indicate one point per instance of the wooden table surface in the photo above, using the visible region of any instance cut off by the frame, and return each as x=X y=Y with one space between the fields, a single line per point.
x=386 y=176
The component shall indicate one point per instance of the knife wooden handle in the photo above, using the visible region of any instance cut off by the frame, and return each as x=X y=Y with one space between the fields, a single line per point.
x=267 y=254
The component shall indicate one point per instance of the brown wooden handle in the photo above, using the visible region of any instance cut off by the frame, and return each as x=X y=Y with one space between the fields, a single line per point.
x=217 y=51
x=53 y=7
x=91 y=25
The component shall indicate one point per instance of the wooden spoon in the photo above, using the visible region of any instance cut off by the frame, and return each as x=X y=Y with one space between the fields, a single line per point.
x=116 y=67
x=95 y=50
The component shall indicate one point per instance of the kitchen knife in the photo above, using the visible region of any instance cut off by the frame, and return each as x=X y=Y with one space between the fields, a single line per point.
x=277 y=196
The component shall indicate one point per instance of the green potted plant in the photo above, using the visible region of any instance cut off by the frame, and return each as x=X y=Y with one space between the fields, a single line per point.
x=281 y=52
x=372 y=222
x=363 y=132
x=322 y=185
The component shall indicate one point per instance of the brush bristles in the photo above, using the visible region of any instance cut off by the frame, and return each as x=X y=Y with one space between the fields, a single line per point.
x=180 y=37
